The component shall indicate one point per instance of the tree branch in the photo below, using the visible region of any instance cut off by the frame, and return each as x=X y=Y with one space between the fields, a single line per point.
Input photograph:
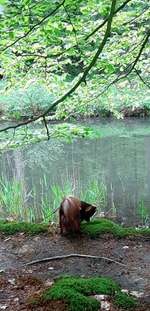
x=105 y=21
x=144 y=82
x=47 y=130
x=73 y=255
x=140 y=51
x=135 y=18
x=33 y=27
x=82 y=79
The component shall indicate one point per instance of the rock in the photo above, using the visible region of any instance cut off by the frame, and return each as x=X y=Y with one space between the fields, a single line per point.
x=12 y=281
x=3 y=307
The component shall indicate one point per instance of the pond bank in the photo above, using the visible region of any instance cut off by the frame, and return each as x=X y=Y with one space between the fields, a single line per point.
x=19 y=249
x=104 y=113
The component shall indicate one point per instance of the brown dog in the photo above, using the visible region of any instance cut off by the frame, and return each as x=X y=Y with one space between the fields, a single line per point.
x=71 y=212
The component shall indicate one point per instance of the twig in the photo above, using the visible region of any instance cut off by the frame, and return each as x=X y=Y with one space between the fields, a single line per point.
x=135 y=18
x=73 y=28
x=130 y=67
x=73 y=255
x=105 y=21
x=141 y=78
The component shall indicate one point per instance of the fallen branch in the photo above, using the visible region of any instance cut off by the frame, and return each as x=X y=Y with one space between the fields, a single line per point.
x=73 y=255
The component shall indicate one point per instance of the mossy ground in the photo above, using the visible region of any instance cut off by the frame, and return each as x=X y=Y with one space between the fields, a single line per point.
x=14 y=227
x=93 y=228
x=76 y=292
x=101 y=226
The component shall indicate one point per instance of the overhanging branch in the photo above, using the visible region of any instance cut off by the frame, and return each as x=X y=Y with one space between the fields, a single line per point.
x=82 y=79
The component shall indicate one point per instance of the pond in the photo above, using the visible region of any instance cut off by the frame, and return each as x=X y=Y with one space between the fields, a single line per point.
x=113 y=171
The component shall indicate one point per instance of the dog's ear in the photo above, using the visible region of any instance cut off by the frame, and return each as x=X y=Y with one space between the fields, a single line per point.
x=85 y=205
x=88 y=208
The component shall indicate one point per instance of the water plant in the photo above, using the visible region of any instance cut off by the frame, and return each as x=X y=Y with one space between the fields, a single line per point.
x=95 y=194
x=143 y=213
x=12 y=198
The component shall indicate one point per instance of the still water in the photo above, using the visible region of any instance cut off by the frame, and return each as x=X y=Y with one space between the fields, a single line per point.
x=119 y=161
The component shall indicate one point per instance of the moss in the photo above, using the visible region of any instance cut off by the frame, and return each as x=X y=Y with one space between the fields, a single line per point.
x=75 y=292
x=125 y=301
x=100 y=226
x=13 y=227
x=93 y=228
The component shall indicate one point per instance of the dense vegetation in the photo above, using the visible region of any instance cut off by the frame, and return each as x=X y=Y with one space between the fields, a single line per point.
x=68 y=53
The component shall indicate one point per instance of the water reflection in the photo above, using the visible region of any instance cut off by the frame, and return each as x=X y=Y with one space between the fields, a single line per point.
x=119 y=163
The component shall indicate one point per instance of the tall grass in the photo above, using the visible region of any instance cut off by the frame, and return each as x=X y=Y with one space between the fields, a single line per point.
x=13 y=199
x=143 y=213
x=40 y=204
x=95 y=194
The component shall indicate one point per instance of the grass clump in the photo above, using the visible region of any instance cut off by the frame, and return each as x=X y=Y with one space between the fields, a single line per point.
x=76 y=291
x=101 y=226
x=14 y=227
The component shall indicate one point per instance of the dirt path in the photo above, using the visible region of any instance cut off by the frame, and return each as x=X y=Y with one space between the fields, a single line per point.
x=18 y=282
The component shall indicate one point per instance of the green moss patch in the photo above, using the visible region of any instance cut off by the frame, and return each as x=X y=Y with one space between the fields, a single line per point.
x=101 y=226
x=93 y=228
x=13 y=227
x=76 y=293
x=124 y=301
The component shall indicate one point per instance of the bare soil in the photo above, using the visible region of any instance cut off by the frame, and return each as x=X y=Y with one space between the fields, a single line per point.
x=20 y=283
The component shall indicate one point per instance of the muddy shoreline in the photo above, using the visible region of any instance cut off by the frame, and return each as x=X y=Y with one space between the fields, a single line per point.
x=19 y=249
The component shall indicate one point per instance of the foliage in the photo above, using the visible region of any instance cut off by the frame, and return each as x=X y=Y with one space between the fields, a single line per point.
x=64 y=132
x=127 y=94
x=47 y=45
x=35 y=97
x=100 y=226
x=25 y=101
x=76 y=291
